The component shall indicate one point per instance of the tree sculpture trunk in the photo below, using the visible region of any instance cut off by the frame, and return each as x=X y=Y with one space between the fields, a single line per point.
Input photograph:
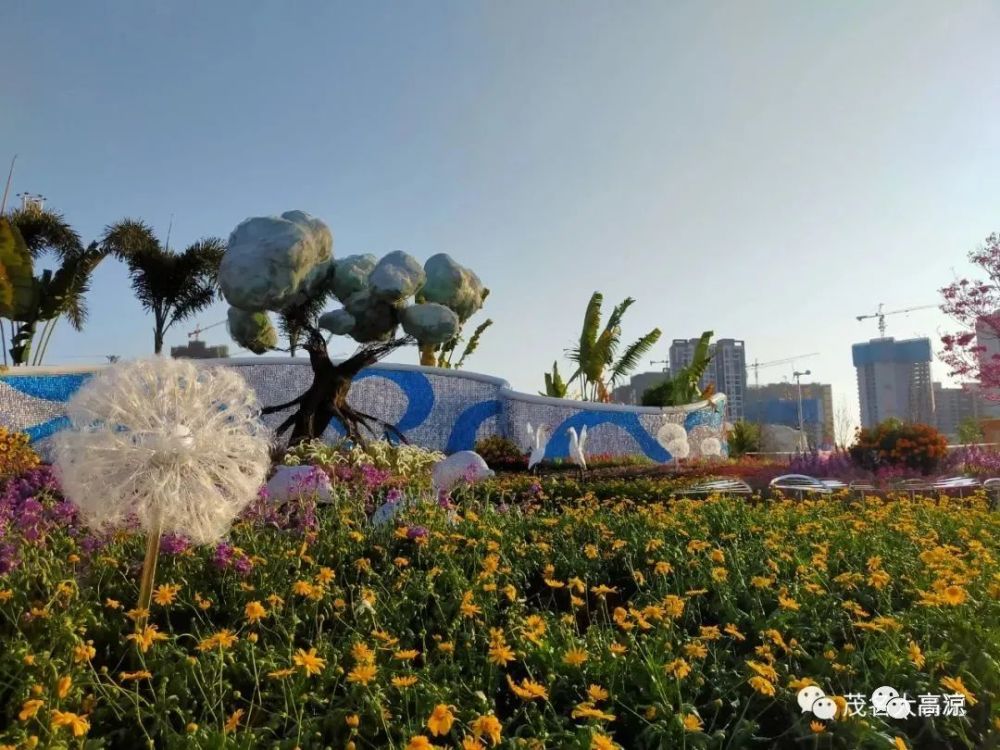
x=326 y=398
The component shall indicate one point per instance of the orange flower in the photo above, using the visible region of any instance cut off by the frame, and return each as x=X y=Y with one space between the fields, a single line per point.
x=76 y=723
x=233 y=721
x=29 y=708
x=308 y=661
x=487 y=726
x=440 y=720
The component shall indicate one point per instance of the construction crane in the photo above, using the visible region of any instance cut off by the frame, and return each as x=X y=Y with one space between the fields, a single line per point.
x=757 y=365
x=199 y=329
x=880 y=314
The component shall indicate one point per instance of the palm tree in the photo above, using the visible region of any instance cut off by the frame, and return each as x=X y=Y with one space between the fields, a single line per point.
x=595 y=355
x=172 y=286
x=56 y=292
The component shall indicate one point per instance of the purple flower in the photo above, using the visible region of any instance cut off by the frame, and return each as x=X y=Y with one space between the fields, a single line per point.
x=223 y=555
x=416 y=532
x=227 y=557
x=374 y=477
x=8 y=558
x=174 y=544
x=242 y=564
x=90 y=544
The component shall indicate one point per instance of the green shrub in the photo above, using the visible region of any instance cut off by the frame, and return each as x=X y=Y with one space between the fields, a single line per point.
x=501 y=453
x=744 y=438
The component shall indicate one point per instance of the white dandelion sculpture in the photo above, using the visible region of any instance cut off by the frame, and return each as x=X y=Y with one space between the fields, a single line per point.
x=711 y=447
x=674 y=438
x=178 y=448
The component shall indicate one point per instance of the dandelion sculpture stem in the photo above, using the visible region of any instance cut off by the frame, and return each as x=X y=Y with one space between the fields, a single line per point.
x=148 y=573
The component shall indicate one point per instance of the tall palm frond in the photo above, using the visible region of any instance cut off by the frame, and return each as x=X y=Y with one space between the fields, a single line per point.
x=44 y=230
x=75 y=300
x=296 y=322
x=632 y=355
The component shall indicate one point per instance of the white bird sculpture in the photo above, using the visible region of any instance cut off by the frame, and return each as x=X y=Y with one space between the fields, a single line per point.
x=577 y=446
x=540 y=437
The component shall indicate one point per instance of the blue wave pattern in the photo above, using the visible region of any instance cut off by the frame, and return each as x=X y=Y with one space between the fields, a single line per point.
x=558 y=445
x=427 y=404
x=463 y=433
x=48 y=387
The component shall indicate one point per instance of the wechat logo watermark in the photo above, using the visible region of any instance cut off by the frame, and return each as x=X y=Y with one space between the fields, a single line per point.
x=884 y=701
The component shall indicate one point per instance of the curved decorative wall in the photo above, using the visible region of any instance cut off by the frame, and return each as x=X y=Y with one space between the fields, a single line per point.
x=446 y=410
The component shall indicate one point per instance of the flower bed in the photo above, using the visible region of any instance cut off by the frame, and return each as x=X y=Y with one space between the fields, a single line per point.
x=596 y=624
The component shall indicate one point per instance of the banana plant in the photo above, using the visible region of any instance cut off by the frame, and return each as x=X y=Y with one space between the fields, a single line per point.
x=554 y=384
x=683 y=388
x=599 y=368
x=31 y=299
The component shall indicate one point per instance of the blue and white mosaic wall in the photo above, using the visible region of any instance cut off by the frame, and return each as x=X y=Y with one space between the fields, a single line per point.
x=441 y=409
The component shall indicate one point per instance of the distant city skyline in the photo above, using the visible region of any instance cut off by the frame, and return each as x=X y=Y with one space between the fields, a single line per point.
x=767 y=171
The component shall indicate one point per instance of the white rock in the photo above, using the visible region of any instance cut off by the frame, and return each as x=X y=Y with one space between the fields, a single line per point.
x=386 y=512
x=453 y=285
x=429 y=323
x=464 y=466
x=292 y=482
x=252 y=330
x=339 y=322
x=779 y=438
x=275 y=261
x=350 y=274
x=396 y=277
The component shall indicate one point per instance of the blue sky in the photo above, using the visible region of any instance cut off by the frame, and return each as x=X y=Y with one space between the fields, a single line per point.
x=768 y=170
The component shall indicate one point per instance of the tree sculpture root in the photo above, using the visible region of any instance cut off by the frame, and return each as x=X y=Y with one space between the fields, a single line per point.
x=326 y=398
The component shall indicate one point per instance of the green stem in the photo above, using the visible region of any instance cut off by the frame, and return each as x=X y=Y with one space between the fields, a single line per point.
x=47 y=334
x=41 y=341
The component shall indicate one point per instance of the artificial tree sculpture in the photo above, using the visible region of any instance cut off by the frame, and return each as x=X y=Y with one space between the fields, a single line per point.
x=285 y=265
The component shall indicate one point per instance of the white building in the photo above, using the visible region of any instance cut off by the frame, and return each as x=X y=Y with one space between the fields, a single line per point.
x=894 y=380
x=727 y=370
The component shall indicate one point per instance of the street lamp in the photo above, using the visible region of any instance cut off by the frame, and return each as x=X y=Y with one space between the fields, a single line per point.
x=798 y=382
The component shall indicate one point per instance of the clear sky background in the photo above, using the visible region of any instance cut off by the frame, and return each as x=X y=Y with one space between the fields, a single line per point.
x=768 y=170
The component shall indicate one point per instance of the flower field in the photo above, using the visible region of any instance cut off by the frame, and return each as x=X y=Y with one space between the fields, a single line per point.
x=515 y=617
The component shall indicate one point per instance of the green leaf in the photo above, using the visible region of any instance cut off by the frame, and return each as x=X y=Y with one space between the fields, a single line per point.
x=16 y=260
x=632 y=355
x=582 y=352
